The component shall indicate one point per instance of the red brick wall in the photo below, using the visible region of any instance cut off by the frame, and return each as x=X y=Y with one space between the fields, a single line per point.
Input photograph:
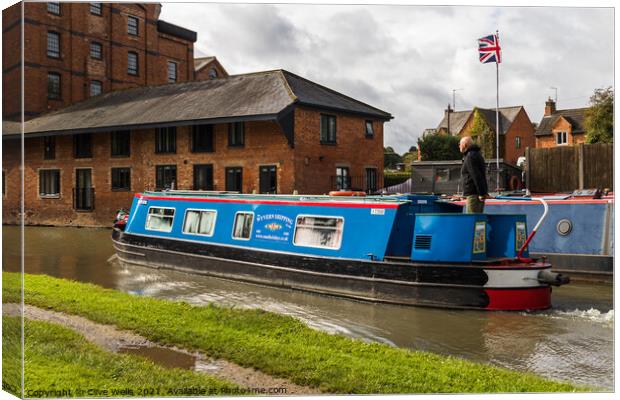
x=265 y=144
x=316 y=163
x=203 y=73
x=522 y=127
x=78 y=28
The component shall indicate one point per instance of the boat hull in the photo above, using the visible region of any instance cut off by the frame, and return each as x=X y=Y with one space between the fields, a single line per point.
x=404 y=283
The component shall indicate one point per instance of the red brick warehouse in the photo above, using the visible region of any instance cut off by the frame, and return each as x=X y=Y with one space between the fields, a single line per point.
x=267 y=132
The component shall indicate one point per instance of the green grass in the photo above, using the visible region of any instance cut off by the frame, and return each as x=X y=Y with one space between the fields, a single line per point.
x=277 y=345
x=59 y=359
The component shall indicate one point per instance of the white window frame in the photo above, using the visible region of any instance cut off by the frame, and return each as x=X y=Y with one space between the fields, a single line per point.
x=201 y=234
x=148 y=217
x=318 y=216
x=564 y=136
x=232 y=234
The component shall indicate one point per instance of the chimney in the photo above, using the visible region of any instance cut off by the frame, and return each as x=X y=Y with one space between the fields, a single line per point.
x=549 y=107
x=447 y=113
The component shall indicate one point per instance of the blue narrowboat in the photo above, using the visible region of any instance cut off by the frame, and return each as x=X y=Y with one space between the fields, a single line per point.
x=405 y=249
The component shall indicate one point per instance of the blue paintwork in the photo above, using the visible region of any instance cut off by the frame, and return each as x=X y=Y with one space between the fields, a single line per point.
x=586 y=237
x=452 y=237
x=502 y=234
x=365 y=235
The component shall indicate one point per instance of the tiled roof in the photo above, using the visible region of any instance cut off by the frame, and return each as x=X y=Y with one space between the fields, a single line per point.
x=256 y=96
x=575 y=116
x=458 y=119
x=202 y=62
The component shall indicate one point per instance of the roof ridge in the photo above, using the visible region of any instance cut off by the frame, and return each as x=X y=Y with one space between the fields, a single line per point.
x=288 y=87
x=284 y=72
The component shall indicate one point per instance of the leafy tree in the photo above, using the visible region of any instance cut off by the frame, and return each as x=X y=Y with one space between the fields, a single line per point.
x=413 y=149
x=599 y=122
x=390 y=158
x=437 y=147
x=483 y=136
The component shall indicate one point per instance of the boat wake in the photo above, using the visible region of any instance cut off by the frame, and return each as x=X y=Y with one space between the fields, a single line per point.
x=592 y=314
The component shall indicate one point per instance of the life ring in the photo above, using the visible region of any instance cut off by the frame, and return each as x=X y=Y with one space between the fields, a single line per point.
x=346 y=193
x=515 y=183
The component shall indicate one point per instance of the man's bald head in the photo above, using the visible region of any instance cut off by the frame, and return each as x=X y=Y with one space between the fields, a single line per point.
x=465 y=143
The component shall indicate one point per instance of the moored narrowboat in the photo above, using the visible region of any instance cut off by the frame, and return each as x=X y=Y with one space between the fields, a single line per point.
x=408 y=249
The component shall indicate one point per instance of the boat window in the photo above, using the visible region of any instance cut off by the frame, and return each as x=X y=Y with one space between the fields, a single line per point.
x=160 y=219
x=318 y=231
x=199 y=222
x=243 y=225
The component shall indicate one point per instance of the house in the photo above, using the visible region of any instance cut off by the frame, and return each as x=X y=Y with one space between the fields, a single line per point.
x=208 y=68
x=516 y=129
x=73 y=51
x=264 y=132
x=561 y=127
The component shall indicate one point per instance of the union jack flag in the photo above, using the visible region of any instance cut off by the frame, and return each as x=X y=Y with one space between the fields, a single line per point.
x=489 y=49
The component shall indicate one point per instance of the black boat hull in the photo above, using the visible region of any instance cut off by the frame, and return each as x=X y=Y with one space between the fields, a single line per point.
x=403 y=283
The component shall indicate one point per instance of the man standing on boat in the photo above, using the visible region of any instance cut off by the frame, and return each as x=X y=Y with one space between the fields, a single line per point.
x=473 y=176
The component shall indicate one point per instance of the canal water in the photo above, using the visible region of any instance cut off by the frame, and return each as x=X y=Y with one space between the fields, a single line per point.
x=573 y=341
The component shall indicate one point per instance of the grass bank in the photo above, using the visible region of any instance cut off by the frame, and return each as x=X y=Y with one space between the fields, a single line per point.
x=61 y=363
x=275 y=344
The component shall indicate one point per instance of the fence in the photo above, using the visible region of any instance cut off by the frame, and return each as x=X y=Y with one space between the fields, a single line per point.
x=568 y=168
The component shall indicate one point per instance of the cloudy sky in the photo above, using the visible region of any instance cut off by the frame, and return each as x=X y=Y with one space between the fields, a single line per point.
x=406 y=59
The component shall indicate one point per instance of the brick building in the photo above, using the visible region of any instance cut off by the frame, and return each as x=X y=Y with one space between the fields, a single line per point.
x=561 y=127
x=73 y=51
x=516 y=128
x=208 y=68
x=264 y=132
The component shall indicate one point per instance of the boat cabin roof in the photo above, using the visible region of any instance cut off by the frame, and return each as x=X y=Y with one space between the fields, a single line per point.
x=222 y=195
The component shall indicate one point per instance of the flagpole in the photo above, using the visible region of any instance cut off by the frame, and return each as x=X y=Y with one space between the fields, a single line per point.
x=497 y=117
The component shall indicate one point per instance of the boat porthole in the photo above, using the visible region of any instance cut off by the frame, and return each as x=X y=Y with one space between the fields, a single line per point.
x=564 y=227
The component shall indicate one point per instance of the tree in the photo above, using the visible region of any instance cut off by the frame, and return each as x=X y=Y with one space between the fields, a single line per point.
x=599 y=122
x=390 y=158
x=413 y=149
x=438 y=147
x=483 y=136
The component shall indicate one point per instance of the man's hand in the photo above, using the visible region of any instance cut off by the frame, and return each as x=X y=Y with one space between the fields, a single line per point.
x=485 y=197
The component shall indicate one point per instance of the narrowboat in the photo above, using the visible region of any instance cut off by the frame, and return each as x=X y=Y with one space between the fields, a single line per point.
x=406 y=249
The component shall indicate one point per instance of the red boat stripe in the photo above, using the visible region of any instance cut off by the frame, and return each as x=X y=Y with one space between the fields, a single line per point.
x=519 y=299
x=274 y=202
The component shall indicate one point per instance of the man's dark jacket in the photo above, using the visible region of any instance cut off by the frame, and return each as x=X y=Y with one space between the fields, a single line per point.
x=473 y=172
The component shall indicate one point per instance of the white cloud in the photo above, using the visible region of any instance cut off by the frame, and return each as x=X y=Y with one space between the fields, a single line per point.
x=407 y=59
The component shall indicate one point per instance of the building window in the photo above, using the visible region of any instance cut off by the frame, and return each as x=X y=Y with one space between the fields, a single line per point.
x=160 y=219
x=314 y=231
x=370 y=130
x=561 y=138
x=371 y=180
x=343 y=180
x=53 y=8
x=328 y=129
x=234 y=179
x=49 y=183
x=202 y=138
x=199 y=222
x=95 y=8
x=120 y=142
x=212 y=73
x=236 y=134
x=121 y=179
x=132 y=63
x=165 y=177
x=243 y=225
x=95 y=88
x=82 y=145
x=53 y=44
x=172 y=71
x=49 y=147
x=268 y=179
x=518 y=142
x=166 y=140
x=203 y=177
x=96 y=50
x=132 y=25
x=53 y=85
